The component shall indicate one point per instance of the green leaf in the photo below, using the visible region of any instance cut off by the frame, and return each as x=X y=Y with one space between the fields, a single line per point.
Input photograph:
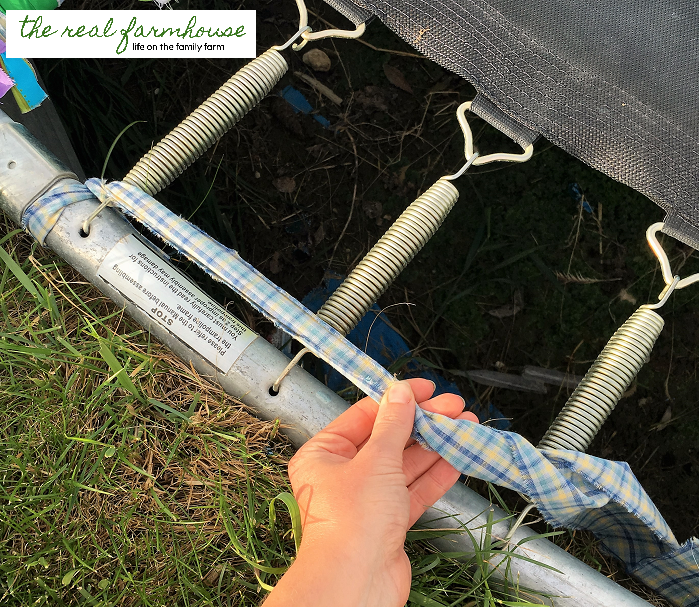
x=429 y=534
x=111 y=148
x=193 y=407
x=425 y=362
x=207 y=192
x=167 y=408
x=134 y=467
x=428 y=563
x=18 y=272
x=93 y=489
x=29 y=351
x=68 y=577
x=163 y=507
x=103 y=584
x=68 y=346
x=546 y=272
x=87 y=440
x=10 y=235
x=235 y=541
x=539 y=536
x=515 y=258
x=40 y=561
x=294 y=511
x=264 y=586
x=516 y=555
x=417 y=598
x=119 y=371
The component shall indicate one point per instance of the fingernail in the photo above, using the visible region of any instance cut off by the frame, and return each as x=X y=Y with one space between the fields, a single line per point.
x=399 y=393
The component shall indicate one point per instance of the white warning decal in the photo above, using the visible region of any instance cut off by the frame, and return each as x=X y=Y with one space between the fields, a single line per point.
x=175 y=302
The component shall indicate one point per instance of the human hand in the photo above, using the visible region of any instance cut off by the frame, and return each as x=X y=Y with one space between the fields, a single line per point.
x=361 y=483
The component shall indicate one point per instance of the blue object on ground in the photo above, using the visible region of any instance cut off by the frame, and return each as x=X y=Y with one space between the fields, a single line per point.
x=379 y=339
x=577 y=194
x=299 y=103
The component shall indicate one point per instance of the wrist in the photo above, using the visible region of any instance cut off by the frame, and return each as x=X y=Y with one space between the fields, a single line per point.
x=348 y=533
x=328 y=572
x=342 y=549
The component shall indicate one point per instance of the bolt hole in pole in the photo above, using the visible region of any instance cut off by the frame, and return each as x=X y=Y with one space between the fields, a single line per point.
x=11 y=165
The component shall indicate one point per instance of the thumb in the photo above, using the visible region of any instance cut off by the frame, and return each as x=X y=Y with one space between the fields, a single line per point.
x=394 y=420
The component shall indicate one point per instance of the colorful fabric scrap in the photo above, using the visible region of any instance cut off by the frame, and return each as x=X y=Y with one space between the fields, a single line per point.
x=6 y=82
x=27 y=91
x=18 y=75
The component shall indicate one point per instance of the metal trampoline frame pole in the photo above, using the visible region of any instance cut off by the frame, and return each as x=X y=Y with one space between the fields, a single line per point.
x=303 y=405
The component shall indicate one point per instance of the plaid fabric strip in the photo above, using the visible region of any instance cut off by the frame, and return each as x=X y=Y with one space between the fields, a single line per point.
x=577 y=491
x=563 y=484
x=40 y=217
x=570 y=489
x=224 y=265
x=675 y=575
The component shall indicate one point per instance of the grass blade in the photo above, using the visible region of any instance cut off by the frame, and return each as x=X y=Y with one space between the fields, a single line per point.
x=119 y=371
x=18 y=273
x=294 y=511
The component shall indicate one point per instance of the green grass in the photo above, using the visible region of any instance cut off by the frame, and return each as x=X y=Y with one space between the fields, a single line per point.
x=126 y=478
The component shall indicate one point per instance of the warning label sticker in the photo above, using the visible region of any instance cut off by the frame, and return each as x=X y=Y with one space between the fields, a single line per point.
x=173 y=301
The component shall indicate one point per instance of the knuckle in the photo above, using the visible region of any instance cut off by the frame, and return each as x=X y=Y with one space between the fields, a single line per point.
x=389 y=418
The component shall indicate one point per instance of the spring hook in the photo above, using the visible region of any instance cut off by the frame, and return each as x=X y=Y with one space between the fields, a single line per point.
x=468 y=143
x=293 y=39
x=168 y=159
x=615 y=368
x=664 y=261
x=397 y=247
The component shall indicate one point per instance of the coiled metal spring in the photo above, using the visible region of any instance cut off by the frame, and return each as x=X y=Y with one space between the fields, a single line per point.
x=609 y=377
x=205 y=125
x=388 y=257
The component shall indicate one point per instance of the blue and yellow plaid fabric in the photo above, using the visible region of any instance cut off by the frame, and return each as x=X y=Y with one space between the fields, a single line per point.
x=224 y=265
x=570 y=489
